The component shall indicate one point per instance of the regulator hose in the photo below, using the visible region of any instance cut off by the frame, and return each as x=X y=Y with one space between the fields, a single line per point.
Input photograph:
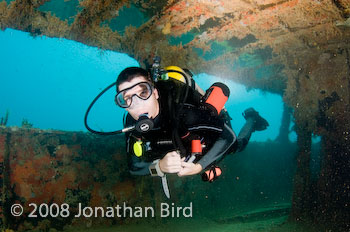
x=142 y=122
x=88 y=111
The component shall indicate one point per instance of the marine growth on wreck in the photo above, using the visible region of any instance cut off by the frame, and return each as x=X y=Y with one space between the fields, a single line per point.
x=297 y=49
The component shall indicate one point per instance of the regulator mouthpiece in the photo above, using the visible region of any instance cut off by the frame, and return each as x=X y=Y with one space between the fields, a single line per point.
x=144 y=124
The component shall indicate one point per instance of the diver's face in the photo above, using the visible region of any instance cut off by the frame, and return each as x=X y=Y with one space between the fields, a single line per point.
x=139 y=106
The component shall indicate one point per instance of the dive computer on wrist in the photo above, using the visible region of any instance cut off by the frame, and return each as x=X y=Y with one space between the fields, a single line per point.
x=154 y=169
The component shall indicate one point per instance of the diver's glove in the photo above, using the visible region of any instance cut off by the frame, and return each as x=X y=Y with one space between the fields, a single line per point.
x=259 y=122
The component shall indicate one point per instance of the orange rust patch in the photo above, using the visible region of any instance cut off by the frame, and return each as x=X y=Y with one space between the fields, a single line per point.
x=96 y=199
x=62 y=150
x=124 y=190
x=20 y=176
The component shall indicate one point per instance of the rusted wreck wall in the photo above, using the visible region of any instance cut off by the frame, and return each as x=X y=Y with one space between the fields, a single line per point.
x=65 y=167
x=319 y=92
x=59 y=167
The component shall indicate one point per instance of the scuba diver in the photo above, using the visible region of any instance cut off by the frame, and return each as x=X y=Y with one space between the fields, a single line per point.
x=180 y=128
x=173 y=126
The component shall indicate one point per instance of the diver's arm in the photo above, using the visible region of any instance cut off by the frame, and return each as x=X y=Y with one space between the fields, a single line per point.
x=189 y=168
x=220 y=147
x=170 y=163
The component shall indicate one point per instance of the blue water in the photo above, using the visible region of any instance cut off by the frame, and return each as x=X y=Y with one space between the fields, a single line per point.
x=51 y=82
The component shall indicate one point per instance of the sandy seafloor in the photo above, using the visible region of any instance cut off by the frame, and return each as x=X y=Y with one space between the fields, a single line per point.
x=264 y=219
x=274 y=225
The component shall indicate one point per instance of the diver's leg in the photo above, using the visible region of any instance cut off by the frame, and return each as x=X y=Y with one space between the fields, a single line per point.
x=254 y=122
x=245 y=133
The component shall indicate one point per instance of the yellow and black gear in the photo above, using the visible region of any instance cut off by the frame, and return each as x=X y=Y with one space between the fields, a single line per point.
x=175 y=73
x=138 y=148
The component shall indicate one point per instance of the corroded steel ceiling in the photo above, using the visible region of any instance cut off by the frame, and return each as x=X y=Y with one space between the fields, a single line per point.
x=255 y=42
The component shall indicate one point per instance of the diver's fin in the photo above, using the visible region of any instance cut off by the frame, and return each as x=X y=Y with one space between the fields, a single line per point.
x=260 y=123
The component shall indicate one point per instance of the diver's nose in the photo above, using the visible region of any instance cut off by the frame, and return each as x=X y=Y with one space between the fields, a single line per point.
x=136 y=102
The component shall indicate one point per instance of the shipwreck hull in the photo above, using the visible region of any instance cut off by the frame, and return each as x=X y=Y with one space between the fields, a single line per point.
x=58 y=167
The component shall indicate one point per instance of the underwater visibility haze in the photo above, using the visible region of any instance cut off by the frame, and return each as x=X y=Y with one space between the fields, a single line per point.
x=290 y=60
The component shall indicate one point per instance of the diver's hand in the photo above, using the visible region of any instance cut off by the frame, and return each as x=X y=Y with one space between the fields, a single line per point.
x=189 y=168
x=171 y=162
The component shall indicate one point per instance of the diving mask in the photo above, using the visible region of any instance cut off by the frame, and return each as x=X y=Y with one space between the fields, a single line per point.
x=142 y=90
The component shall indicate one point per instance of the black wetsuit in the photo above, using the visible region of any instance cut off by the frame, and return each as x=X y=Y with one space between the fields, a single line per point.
x=176 y=125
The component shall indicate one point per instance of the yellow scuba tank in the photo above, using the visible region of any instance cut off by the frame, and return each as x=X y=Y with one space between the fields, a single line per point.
x=179 y=74
x=214 y=98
